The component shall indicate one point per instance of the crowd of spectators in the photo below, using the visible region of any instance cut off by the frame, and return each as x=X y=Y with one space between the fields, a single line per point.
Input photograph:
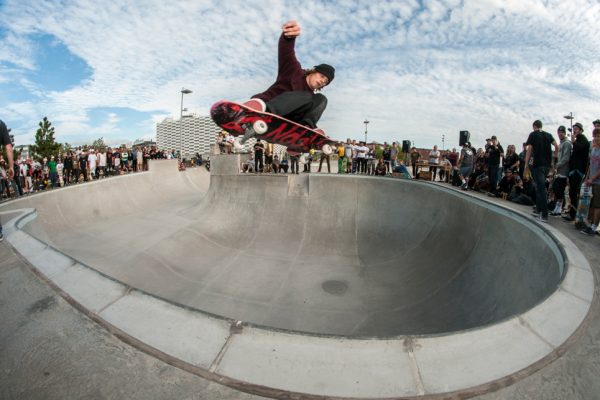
x=353 y=157
x=74 y=166
x=492 y=169
x=511 y=175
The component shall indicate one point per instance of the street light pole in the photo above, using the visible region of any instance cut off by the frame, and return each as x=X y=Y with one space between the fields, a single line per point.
x=570 y=117
x=366 y=123
x=183 y=91
x=443 y=142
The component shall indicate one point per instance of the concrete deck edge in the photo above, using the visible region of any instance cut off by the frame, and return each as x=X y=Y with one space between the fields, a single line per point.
x=285 y=364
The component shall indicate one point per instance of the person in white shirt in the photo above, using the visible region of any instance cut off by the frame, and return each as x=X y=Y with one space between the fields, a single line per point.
x=361 y=157
x=102 y=163
x=434 y=160
x=92 y=163
x=24 y=169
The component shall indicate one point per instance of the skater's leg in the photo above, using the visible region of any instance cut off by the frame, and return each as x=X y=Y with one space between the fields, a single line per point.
x=299 y=106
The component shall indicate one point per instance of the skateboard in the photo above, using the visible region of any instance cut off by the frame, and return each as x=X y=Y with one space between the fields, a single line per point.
x=585 y=199
x=238 y=119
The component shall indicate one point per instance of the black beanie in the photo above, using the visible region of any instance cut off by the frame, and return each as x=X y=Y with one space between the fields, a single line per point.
x=326 y=70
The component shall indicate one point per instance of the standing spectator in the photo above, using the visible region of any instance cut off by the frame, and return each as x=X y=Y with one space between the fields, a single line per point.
x=116 y=156
x=60 y=170
x=29 y=176
x=465 y=165
x=387 y=157
x=538 y=146
x=578 y=165
x=23 y=173
x=134 y=158
x=53 y=173
x=68 y=168
x=593 y=179
x=7 y=143
x=493 y=154
x=294 y=161
x=268 y=157
x=434 y=161
x=83 y=162
x=139 y=159
x=326 y=158
x=259 y=149
x=18 y=186
x=101 y=163
x=109 y=161
x=371 y=159
x=342 y=162
x=308 y=160
x=92 y=162
x=146 y=157
x=361 y=157
x=348 y=154
x=76 y=170
x=414 y=159
x=561 y=170
x=395 y=152
x=125 y=156
x=355 y=167
x=4 y=182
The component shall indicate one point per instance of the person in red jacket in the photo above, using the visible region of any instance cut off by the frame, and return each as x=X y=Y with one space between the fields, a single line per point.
x=295 y=93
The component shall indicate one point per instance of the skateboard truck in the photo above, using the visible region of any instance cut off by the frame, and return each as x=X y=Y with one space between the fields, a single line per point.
x=258 y=128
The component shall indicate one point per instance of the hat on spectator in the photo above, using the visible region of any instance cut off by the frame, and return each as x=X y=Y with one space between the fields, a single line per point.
x=596 y=122
x=578 y=124
x=562 y=129
x=494 y=137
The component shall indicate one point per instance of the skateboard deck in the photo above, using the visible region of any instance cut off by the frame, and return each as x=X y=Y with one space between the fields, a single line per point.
x=585 y=199
x=238 y=119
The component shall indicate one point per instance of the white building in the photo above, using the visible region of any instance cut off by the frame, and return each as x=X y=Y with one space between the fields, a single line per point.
x=194 y=134
x=191 y=134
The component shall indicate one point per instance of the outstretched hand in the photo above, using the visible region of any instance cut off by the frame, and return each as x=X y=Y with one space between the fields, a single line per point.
x=291 y=29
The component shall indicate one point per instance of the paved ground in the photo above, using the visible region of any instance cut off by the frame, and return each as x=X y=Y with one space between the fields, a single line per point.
x=49 y=350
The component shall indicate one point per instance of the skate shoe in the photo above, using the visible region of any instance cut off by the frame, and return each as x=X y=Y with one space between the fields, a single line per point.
x=256 y=105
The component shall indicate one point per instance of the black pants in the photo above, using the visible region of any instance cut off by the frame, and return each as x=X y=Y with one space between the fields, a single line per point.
x=541 y=199
x=493 y=178
x=258 y=161
x=299 y=106
x=294 y=164
x=558 y=187
x=324 y=157
x=574 y=186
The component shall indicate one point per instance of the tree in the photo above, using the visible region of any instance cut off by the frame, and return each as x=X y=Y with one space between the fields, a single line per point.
x=99 y=144
x=45 y=145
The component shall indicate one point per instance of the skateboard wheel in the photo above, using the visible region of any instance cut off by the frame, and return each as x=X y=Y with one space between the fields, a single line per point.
x=327 y=150
x=259 y=127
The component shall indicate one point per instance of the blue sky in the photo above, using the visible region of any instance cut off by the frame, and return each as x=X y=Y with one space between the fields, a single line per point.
x=416 y=70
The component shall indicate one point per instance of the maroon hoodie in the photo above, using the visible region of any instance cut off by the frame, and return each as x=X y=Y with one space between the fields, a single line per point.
x=290 y=76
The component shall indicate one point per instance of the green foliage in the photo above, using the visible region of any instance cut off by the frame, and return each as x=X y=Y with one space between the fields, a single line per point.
x=99 y=144
x=45 y=144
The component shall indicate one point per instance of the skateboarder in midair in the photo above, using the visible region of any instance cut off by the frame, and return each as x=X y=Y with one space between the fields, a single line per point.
x=295 y=93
